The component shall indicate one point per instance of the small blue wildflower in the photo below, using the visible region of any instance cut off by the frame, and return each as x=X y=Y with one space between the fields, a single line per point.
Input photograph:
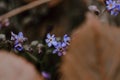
x=110 y=4
x=60 y=49
x=18 y=47
x=115 y=11
x=18 y=38
x=66 y=39
x=51 y=40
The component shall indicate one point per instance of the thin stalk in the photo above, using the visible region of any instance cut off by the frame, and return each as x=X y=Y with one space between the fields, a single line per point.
x=22 y=9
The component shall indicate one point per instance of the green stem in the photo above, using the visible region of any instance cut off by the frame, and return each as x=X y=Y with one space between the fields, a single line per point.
x=32 y=57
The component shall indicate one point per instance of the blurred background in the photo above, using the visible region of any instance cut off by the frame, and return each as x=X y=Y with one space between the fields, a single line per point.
x=58 y=17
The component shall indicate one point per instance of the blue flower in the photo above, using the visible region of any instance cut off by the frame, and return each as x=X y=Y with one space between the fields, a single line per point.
x=51 y=40
x=66 y=39
x=18 y=47
x=18 y=38
x=110 y=4
x=115 y=11
x=60 y=49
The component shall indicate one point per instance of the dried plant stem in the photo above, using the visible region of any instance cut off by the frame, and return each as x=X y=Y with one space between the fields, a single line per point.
x=22 y=9
x=102 y=12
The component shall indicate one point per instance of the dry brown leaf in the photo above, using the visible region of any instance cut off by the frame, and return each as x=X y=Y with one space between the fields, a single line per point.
x=13 y=67
x=94 y=53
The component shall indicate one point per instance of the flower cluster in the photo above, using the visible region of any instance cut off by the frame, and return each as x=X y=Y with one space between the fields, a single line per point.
x=18 y=40
x=37 y=52
x=60 y=46
x=113 y=6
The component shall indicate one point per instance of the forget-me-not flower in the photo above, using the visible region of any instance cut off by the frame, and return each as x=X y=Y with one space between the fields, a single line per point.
x=60 y=49
x=115 y=11
x=51 y=40
x=110 y=4
x=18 y=38
x=113 y=6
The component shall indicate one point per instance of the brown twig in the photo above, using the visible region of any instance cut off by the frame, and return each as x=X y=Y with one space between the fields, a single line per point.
x=22 y=9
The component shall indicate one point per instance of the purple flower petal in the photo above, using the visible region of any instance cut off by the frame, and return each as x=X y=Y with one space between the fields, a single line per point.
x=53 y=36
x=46 y=40
x=18 y=47
x=46 y=75
x=49 y=44
x=55 y=51
x=54 y=43
x=59 y=54
x=64 y=44
x=48 y=35
x=13 y=36
x=20 y=34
